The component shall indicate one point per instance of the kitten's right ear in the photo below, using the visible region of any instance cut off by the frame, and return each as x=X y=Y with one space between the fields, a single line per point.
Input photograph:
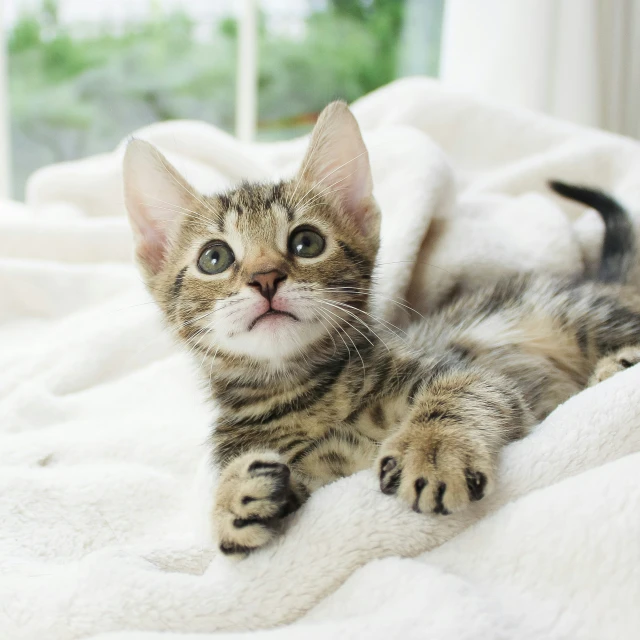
x=156 y=196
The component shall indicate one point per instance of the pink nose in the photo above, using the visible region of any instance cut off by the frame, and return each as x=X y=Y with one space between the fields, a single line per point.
x=267 y=282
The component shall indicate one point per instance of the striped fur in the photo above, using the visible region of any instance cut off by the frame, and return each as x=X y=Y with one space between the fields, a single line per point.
x=331 y=390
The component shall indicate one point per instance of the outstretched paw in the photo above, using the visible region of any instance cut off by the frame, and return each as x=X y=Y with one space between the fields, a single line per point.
x=434 y=472
x=253 y=497
x=619 y=361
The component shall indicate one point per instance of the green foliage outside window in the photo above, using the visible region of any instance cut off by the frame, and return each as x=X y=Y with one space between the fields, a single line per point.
x=78 y=92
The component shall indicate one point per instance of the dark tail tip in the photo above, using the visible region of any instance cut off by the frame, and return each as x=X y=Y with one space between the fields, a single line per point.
x=618 y=248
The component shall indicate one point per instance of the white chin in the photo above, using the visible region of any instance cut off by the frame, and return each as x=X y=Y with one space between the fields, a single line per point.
x=273 y=338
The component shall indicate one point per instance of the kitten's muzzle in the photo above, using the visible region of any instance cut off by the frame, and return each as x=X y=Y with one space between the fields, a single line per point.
x=266 y=282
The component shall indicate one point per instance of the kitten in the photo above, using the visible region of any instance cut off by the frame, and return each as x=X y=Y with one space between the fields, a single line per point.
x=270 y=285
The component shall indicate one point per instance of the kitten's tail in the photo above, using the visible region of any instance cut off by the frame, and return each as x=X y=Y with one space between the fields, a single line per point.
x=619 y=246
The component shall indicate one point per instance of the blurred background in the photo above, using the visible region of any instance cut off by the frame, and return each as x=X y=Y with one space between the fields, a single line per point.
x=76 y=76
x=82 y=74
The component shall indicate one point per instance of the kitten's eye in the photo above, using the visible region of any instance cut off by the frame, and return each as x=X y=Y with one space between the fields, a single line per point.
x=306 y=243
x=216 y=258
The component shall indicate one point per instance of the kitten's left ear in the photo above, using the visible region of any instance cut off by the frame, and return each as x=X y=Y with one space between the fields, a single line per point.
x=338 y=162
x=156 y=196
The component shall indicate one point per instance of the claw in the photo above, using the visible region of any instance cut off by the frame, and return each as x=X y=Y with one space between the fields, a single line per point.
x=269 y=469
x=229 y=548
x=476 y=483
x=388 y=464
x=389 y=481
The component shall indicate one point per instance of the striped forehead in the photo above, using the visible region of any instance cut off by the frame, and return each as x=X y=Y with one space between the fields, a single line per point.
x=257 y=214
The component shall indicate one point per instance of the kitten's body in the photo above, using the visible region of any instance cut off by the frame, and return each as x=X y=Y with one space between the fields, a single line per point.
x=545 y=335
x=312 y=387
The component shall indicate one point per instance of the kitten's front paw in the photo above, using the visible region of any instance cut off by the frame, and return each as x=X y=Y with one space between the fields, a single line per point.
x=435 y=471
x=619 y=361
x=253 y=497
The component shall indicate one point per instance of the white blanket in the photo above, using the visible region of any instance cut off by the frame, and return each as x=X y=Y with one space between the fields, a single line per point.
x=103 y=423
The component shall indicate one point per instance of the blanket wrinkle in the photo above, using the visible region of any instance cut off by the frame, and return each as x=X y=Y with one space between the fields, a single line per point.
x=105 y=485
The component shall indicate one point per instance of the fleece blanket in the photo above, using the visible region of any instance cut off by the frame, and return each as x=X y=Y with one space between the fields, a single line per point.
x=103 y=490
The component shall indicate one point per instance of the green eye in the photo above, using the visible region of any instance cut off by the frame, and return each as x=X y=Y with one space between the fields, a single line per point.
x=306 y=243
x=216 y=258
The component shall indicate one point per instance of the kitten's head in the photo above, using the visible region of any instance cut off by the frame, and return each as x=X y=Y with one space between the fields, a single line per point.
x=264 y=270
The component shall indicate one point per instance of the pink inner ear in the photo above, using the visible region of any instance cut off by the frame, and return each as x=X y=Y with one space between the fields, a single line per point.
x=337 y=163
x=359 y=187
x=348 y=178
x=152 y=248
x=155 y=197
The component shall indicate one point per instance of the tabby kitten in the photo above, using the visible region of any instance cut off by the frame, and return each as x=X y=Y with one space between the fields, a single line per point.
x=270 y=285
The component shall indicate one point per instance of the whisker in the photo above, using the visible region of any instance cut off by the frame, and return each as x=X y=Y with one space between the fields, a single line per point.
x=185 y=215
x=332 y=172
x=183 y=186
x=359 y=320
x=337 y=328
x=192 y=320
x=385 y=323
x=204 y=357
x=330 y=334
x=362 y=290
x=350 y=338
x=315 y=196
x=356 y=317
x=132 y=306
x=212 y=363
x=194 y=340
x=171 y=206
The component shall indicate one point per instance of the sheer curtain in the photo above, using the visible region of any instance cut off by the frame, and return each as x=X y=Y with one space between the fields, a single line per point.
x=575 y=59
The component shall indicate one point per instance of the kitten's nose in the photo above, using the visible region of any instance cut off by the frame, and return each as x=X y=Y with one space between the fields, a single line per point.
x=267 y=282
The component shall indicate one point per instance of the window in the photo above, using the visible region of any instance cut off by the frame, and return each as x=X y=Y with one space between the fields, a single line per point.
x=83 y=75
x=338 y=49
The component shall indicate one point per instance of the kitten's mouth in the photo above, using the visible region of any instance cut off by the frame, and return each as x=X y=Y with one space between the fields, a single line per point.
x=270 y=313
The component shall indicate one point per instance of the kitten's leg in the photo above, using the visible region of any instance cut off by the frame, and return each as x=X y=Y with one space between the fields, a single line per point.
x=445 y=454
x=618 y=361
x=255 y=493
